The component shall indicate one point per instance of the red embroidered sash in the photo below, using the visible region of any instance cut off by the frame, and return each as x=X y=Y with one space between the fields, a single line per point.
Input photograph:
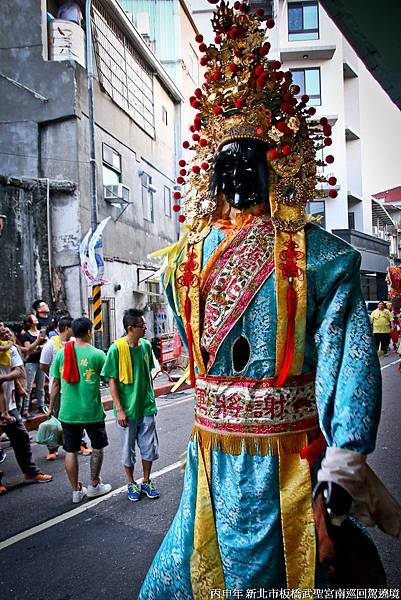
x=235 y=278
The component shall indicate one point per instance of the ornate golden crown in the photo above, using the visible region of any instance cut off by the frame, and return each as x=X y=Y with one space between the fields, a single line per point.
x=247 y=96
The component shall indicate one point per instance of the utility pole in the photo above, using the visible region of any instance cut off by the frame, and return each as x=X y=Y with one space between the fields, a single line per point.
x=96 y=289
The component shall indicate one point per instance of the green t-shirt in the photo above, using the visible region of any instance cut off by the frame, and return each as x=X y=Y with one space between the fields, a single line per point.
x=137 y=398
x=80 y=402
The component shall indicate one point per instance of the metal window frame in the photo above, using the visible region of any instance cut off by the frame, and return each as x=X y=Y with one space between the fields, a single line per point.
x=106 y=162
x=302 y=4
x=312 y=96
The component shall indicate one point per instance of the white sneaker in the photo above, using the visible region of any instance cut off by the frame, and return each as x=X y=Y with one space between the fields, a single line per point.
x=80 y=494
x=98 y=490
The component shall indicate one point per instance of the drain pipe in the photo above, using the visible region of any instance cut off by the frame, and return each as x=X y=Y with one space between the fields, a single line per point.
x=90 y=78
x=96 y=289
x=49 y=236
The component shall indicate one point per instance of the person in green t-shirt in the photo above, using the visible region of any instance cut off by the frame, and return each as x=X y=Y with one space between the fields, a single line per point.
x=128 y=368
x=76 y=374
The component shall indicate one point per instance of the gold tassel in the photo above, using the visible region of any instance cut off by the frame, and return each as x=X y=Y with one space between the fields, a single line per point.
x=274 y=445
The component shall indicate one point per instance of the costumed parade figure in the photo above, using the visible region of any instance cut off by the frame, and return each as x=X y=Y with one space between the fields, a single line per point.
x=281 y=353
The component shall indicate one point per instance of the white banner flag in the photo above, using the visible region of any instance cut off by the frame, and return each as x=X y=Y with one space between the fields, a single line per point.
x=91 y=255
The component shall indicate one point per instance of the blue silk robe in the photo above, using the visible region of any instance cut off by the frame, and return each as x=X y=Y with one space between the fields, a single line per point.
x=245 y=488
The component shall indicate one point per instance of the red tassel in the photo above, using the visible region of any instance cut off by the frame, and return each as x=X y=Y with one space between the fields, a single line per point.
x=289 y=340
x=188 y=331
x=314 y=450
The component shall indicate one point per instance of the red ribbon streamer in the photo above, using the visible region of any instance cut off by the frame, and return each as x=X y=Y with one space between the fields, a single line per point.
x=288 y=352
x=188 y=330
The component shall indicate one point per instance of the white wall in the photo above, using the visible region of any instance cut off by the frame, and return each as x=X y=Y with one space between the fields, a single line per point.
x=380 y=136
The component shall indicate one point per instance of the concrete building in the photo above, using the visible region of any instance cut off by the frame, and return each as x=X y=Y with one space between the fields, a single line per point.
x=366 y=124
x=44 y=151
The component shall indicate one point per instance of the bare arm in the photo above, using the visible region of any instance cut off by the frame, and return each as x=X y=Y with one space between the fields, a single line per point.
x=14 y=374
x=30 y=347
x=121 y=416
x=44 y=367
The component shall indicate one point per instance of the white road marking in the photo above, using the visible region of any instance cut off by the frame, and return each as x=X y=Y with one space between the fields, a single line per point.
x=79 y=509
x=390 y=364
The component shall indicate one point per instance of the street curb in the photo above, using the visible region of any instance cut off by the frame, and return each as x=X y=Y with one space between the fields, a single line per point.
x=160 y=390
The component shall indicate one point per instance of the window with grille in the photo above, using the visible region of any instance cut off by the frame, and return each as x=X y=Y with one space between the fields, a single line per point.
x=122 y=72
x=167 y=201
x=147 y=197
x=303 y=21
x=309 y=83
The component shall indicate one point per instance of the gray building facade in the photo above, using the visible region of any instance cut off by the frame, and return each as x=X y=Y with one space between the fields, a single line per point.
x=45 y=159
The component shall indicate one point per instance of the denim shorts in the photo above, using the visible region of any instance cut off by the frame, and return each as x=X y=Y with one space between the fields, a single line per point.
x=143 y=432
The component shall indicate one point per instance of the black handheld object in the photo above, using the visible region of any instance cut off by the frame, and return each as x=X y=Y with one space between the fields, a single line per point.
x=335 y=497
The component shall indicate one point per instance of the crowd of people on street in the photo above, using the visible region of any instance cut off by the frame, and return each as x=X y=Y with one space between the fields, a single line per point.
x=56 y=354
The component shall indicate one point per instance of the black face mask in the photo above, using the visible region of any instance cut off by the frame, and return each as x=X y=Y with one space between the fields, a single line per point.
x=240 y=173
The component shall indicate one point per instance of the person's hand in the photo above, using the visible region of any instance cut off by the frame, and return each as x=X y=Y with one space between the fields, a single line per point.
x=122 y=417
x=49 y=413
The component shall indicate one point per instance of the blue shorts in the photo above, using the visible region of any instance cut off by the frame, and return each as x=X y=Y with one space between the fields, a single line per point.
x=143 y=432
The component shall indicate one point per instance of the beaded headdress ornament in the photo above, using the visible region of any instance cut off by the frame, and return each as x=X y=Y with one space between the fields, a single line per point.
x=247 y=96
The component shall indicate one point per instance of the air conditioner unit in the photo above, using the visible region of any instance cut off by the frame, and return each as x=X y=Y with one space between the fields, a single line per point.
x=117 y=193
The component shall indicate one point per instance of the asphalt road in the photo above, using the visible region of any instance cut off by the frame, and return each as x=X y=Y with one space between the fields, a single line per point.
x=102 y=550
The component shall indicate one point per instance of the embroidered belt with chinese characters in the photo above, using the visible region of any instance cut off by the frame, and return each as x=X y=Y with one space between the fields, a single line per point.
x=232 y=411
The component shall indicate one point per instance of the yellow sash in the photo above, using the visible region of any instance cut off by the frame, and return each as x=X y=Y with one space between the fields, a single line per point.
x=125 y=371
x=57 y=341
x=5 y=355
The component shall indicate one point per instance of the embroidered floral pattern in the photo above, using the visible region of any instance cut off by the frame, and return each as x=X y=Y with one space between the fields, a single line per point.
x=233 y=282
